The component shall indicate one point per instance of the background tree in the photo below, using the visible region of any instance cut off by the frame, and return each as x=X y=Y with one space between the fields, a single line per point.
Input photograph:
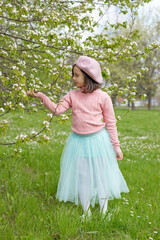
x=149 y=81
x=38 y=38
x=146 y=67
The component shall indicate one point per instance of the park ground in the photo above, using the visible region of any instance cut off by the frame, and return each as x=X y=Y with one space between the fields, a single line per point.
x=28 y=182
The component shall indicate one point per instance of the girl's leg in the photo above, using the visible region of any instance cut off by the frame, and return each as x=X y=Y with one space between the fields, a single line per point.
x=103 y=202
x=102 y=191
x=84 y=193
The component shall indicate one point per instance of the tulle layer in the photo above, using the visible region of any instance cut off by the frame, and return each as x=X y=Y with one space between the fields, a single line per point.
x=89 y=168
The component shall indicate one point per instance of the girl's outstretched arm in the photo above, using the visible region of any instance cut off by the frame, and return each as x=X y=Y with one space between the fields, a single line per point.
x=57 y=109
x=31 y=94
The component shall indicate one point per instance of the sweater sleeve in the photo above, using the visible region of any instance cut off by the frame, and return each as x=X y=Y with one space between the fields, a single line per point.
x=110 y=120
x=57 y=109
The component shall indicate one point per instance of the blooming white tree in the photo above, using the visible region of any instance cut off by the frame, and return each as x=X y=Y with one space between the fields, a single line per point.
x=40 y=39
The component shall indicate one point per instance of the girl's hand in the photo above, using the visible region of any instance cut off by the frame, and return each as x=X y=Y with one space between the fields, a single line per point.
x=119 y=156
x=31 y=94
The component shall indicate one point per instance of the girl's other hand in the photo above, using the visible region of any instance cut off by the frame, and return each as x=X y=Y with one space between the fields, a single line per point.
x=31 y=94
x=119 y=156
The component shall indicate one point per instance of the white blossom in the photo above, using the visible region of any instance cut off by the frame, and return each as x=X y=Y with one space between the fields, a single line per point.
x=24 y=93
x=31 y=76
x=2 y=109
x=4 y=53
x=44 y=41
x=129 y=47
x=23 y=16
x=21 y=136
x=21 y=105
x=9 y=104
x=119 y=118
x=33 y=69
x=46 y=123
x=33 y=132
x=40 y=10
x=14 y=45
x=9 y=5
x=48 y=51
x=134 y=80
x=44 y=19
x=46 y=137
x=51 y=32
x=64 y=117
x=108 y=72
x=25 y=7
x=134 y=43
x=139 y=74
x=19 y=150
x=145 y=69
x=22 y=63
x=57 y=86
x=22 y=73
x=15 y=67
x=5 y=121
x=49 y=115
x=45 y=60
x=15 y=85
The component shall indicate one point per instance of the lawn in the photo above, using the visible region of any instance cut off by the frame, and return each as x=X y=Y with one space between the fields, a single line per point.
x=28 y=183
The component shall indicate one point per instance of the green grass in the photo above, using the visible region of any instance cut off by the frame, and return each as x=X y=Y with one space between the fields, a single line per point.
x=28 y=182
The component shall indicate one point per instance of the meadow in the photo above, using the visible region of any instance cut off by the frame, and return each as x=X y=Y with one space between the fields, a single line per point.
x=29 y=209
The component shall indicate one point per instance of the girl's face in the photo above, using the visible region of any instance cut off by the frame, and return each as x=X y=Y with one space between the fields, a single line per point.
x=78 y=77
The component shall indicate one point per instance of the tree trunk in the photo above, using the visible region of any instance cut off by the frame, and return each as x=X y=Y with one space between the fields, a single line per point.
x=133 y=106
x=114 y=97
x=149 y=99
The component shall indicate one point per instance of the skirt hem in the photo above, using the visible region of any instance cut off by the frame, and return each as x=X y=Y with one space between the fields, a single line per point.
x=89 y=169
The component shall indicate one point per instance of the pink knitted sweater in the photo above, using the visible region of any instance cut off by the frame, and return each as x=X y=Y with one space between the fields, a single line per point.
x=90 y=112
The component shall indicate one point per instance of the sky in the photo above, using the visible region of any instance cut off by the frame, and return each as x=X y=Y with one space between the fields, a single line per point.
x=150 y=9
x=152 y=4
x=153 y=8
x=148 y=12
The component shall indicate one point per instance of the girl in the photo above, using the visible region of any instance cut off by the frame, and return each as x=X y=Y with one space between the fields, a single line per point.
x=89 y=170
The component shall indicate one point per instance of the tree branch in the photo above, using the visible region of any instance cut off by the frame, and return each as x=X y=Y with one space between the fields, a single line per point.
x=18 y=20
x=5 y=113
x=49 y=46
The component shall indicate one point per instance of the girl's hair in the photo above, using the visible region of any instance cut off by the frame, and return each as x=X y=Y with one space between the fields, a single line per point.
x=90 y=84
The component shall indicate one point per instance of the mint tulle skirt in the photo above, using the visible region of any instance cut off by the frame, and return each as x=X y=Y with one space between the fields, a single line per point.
x=89 y=168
